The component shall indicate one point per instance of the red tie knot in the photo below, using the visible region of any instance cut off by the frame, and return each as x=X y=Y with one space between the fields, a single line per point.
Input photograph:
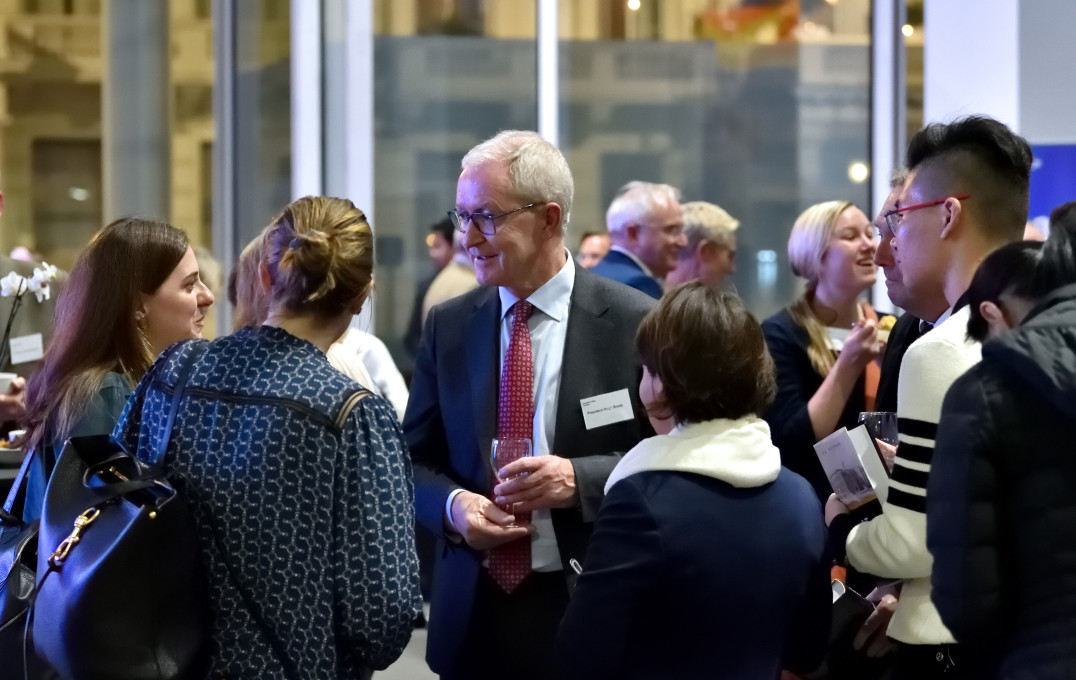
x=522 y=310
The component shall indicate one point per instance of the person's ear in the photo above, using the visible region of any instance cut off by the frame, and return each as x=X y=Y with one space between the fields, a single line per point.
x=1 y=202
x=705 y=250
x=360 y=300
x=553 y=215
x=264 y=280
x=952 y=211
x=993 y=314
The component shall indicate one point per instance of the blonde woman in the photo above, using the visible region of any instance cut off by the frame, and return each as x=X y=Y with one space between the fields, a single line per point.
x=823 y=342
x=359 y=355
x=301 y=491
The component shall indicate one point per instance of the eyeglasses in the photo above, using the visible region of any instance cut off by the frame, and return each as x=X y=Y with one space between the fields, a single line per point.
x=483 y=221
x=670 y=230
x=893 y=217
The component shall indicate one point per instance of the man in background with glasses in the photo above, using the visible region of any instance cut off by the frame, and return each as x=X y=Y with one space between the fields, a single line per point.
x=966 y=195
x=646 y=226
x=542 y=349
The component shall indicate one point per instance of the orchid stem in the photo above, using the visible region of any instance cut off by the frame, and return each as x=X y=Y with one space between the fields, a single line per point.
x=10 y=320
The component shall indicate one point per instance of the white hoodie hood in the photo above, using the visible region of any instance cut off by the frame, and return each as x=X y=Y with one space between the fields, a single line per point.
x=738 y=452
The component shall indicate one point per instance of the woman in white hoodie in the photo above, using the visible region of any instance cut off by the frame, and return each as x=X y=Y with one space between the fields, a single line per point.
x=708 y=559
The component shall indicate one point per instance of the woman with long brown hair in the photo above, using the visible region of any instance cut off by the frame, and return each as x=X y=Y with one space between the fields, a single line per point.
x=133 y=291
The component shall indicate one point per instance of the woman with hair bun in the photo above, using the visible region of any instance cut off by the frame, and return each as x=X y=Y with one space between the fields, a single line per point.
x=299 y=483
x=357 y=354
x=824 y=342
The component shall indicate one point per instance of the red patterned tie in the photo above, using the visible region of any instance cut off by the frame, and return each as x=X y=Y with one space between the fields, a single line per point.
x=510 y=563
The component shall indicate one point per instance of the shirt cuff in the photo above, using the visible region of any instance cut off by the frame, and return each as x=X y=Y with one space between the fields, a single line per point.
x=448 y=511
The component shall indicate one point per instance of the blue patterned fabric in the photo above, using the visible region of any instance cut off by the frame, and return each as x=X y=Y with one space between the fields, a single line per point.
x=317 y=521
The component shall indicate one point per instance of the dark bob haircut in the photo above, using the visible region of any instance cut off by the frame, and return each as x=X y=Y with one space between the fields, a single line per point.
x=709 y=353
x=1009 y=270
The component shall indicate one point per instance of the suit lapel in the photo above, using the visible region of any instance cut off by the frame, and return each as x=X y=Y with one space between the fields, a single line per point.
x=585 y=323
x=482 y=343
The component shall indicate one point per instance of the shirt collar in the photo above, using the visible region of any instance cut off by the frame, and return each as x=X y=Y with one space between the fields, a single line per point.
x=553 y=298
x=635 y=259
x=945 y=315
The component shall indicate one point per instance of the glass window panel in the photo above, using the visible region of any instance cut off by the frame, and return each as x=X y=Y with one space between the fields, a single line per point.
x=263 y=109
x=448 y=75
x=913 y=51
x=759 y=107
x=51 y=143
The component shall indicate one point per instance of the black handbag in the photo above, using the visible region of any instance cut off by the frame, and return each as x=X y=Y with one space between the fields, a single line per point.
x=121 y=588
x=842 y=662
x=18 y=557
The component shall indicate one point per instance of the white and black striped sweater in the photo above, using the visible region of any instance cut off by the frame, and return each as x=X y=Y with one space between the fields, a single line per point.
x=893 y=545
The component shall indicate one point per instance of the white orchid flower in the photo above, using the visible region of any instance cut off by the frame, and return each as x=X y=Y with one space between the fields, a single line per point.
x=12 y=284
x=39 y=288
x=46 y=272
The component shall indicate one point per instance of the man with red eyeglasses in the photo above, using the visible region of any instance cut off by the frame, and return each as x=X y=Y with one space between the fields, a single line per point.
x=966 y=194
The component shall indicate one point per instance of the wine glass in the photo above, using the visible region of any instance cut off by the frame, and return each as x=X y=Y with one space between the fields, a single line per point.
x=882 y=426
x=503 y=451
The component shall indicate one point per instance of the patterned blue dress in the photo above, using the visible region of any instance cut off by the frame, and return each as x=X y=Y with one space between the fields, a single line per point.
x=315 y=514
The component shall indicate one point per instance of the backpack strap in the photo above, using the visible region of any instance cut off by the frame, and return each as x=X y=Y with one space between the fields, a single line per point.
x=177 y=396
x=16 y=486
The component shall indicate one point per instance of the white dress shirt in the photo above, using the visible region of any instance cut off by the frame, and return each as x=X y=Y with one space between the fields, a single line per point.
x=548 y=326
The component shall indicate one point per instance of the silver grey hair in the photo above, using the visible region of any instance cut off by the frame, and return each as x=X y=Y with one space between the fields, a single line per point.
x=537 y=170
x=708 y=222
x=635 y=202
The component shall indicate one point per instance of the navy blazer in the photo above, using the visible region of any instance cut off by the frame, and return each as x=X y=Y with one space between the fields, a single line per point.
x=797 y=381
x=452 y=416
x=619 y=267
x=690 y=577
x=904 y=332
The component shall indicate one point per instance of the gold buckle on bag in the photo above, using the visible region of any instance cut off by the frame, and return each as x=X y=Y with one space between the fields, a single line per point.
x=84 y=520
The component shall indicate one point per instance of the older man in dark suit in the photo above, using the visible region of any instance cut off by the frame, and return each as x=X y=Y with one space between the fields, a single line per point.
x=542 y=349
x=646 y=226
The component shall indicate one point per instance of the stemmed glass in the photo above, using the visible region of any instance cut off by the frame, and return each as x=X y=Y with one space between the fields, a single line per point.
x=882 y=425
x=503 y=451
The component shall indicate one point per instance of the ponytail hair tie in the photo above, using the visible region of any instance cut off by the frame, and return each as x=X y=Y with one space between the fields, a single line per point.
x=296 y=243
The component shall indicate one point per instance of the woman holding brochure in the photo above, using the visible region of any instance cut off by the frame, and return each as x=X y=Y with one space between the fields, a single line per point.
x=824 y=344
x=708 y=558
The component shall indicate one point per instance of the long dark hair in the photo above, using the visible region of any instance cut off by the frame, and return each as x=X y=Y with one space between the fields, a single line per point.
x=95 y=330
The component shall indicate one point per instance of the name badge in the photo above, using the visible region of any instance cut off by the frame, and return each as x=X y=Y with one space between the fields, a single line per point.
x=27 y=348
x=606 y=409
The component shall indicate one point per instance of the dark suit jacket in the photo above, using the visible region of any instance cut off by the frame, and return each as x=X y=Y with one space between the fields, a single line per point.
x=904 y=332
x=452 y=416
x=690 y=577
x=619 y=267
x=797 y=381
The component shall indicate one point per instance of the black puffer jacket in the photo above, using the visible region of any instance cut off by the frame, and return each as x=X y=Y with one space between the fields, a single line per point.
x=1001 y=501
